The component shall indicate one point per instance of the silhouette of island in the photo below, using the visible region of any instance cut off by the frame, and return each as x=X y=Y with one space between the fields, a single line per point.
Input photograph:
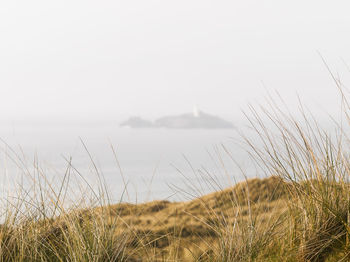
x=197 y=119
x=137 y=122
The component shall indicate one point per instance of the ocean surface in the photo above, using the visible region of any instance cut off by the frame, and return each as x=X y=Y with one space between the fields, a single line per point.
x=148 y=164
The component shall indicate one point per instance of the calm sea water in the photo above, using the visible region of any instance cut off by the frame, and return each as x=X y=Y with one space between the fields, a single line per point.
x=154 y=163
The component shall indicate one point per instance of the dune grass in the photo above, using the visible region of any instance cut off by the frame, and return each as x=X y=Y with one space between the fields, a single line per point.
x=40 y=222
x=271 y=219
x=316 y=164
x=300 y=212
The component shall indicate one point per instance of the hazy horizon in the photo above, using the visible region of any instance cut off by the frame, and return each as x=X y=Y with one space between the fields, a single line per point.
x=72 y=70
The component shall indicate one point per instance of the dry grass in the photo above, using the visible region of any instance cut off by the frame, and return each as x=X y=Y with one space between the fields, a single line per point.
x=252 y=221
x=40 y=222
x=208 y=227
x=302 y=213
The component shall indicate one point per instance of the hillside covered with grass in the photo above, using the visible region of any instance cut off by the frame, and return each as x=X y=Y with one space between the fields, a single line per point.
x=197 y=229
x=299 y=212
x=256 y=220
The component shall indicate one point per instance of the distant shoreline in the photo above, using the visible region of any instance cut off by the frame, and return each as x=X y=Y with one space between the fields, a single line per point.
x=197 y=120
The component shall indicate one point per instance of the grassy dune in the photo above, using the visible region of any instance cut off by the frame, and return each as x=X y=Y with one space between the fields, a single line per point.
x=256 y=220
x=301 y=213
x=205 y=228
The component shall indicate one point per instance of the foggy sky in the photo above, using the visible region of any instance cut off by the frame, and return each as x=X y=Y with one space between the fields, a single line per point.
x=145 y=57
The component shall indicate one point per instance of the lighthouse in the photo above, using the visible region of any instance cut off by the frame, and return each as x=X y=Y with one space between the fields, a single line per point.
x=196 y=112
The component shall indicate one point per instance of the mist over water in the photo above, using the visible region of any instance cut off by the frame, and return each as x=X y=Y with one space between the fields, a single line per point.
x=155 y=163
x=153 y=59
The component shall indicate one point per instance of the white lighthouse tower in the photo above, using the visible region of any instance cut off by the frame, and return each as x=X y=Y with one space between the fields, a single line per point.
x=196 y=112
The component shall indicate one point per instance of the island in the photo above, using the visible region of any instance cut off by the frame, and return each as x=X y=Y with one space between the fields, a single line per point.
x=136 y=122
x=197 y=119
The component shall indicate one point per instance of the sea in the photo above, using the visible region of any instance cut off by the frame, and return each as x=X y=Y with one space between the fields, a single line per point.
x=132 y=165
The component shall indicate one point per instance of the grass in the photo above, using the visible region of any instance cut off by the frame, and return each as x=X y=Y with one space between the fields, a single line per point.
x=253 y=221
x=302 y=213
x=208 y=226
x=299 y=212
x=43 y=224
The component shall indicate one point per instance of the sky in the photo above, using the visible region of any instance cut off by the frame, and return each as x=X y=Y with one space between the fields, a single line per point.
x=114 y=59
